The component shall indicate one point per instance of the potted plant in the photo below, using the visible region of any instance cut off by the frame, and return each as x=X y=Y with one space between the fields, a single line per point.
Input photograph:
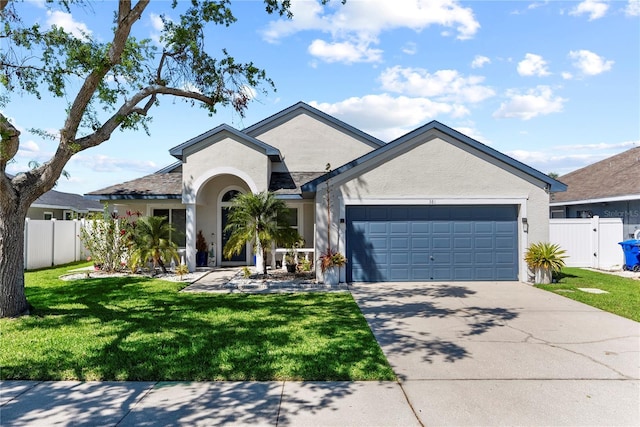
x=544 y=259
x=290 y=261
x=330 y=260
x=201 y=250
x=330 y=263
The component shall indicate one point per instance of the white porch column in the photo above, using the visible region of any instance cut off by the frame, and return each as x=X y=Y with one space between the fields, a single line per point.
x=191 y=237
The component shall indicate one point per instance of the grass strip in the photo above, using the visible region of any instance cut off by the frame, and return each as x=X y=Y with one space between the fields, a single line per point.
x=622 y=297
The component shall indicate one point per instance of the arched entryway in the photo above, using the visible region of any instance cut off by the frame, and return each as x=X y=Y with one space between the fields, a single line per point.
x=224 y=205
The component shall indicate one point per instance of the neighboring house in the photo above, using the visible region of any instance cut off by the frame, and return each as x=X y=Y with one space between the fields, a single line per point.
x=62 y=206
x=433 y=204
x=609 y=188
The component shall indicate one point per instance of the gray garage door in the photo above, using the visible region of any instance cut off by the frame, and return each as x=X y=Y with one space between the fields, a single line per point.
x=426 y=243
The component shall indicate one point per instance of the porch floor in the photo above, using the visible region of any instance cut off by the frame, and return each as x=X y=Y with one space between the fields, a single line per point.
x=231 y=280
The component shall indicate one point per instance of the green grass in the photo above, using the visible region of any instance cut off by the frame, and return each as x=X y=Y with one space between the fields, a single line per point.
x=623 y=298
x=143 y=329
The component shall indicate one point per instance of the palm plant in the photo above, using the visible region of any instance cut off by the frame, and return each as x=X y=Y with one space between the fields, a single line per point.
x=545 y=258
x=259 y=218
x=152 y=240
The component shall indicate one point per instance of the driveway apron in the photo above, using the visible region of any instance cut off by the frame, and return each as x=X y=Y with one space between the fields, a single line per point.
x=505 y=353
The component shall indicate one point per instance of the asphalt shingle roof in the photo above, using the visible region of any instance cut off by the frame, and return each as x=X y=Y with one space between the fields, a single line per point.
x=615 y=176
x=169 y=185
x=154 y=186
x=67 y=201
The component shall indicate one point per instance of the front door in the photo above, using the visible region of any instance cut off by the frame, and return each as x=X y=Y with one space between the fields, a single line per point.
x=240 y=258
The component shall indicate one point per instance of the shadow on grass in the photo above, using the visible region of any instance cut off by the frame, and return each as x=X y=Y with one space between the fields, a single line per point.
x=144 y=330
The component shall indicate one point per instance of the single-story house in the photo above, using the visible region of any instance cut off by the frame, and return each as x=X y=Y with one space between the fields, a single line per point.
x=431 y=205
x=62 y=206
x=609 y=188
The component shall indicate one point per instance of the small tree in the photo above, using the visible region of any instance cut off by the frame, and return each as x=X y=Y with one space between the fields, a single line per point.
x=259 y=218
x=152 y=241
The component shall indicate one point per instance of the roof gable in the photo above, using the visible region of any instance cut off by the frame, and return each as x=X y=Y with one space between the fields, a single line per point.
x=303 y=108
x=217 y=134
x=613 y=177
x=553 y=184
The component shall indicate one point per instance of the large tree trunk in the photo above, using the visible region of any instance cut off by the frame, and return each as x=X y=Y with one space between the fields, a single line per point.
x=13 y=301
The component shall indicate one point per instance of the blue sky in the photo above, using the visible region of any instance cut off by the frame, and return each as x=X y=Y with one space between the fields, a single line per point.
x=553 y=84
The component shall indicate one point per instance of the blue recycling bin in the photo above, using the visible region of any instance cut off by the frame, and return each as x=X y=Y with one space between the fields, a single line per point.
x=631 y=249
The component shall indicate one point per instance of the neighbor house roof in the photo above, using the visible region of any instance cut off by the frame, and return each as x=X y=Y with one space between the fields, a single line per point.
x=554 y=185
x=74 y=202
x=301 y=107
x=223 y=131
x=614 y=178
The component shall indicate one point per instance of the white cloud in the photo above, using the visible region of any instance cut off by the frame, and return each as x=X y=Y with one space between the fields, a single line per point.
x=633 y=8
x=65 y=20
x=102 y=163
x=346 y=52
x=445 y=85
x=359 y=23
x=594 y=8
x=567 y=75
x=590 y=63
x=600 y=146
x=388 y=117
x=533 y=65
x=563 y=159
x=480 y=61
x=410 y=48
x=534 y=102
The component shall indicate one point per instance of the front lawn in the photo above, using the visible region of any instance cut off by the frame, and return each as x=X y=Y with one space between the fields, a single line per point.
x=143 y=329
x=623 y=297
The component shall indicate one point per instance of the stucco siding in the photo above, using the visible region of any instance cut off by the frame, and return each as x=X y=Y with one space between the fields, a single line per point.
x=308 y=144
x=225 y=156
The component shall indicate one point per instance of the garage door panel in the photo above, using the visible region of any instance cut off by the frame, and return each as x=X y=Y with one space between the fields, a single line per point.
x=462 y=243
x=420 y=258
x=432 y=243
x=378 y=228
x=399 y=258
x=399 y=274
x=399 y=243
x=418 y=243
x=439 y=243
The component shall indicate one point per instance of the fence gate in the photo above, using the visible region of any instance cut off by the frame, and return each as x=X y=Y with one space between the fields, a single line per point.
x=589 y=242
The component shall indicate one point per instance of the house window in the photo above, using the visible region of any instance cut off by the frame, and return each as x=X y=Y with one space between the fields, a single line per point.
x=67 y=215
x=178 y=218
x=557 y=213
x=229 y=195
x=293 y=218
x=48 y=216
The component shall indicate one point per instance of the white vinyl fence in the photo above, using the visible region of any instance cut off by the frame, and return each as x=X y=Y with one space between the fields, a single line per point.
x=50 y=242
x=589 y=242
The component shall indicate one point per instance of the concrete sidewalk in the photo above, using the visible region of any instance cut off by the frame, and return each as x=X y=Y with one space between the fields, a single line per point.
x=27 y=403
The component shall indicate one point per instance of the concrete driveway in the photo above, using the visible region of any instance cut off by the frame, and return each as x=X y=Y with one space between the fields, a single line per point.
x=505 y=354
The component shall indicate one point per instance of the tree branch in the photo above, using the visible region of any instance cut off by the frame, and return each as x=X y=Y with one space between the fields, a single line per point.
x=130 y=107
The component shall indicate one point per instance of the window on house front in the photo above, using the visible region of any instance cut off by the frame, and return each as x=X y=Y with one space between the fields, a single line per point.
x=48 y=216
x=177 y=218
x=229 y=195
